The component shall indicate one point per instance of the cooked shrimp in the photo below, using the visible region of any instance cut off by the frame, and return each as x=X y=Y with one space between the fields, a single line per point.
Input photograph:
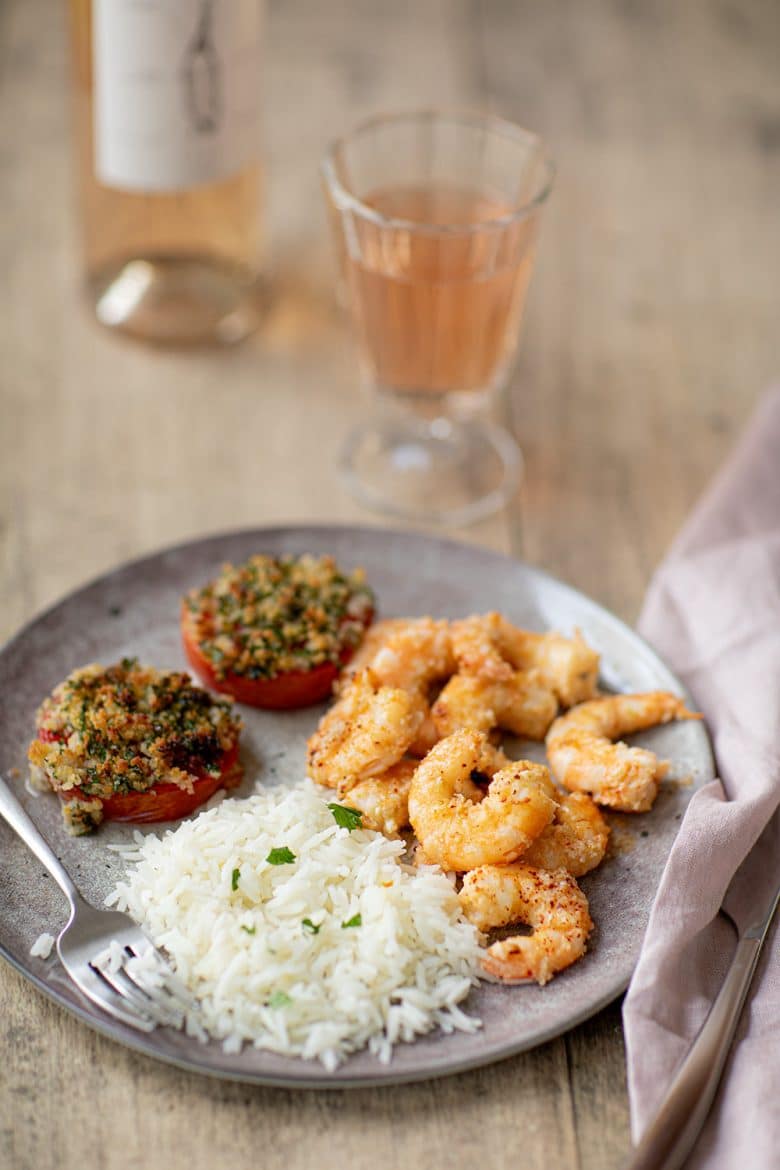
x=569 y=665
x=491 y=647
x=478 y=648
x=419 y=857
x=519 y=704
x=459 y=832
x=373 y=640
x=550 y=902
x=413 y=654
x=584 y=759
x=427 y=736
x=383 y=800
x=367 y=730
x=575 y=841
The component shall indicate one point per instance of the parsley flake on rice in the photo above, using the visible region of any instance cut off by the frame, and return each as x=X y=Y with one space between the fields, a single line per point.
x=277 y=968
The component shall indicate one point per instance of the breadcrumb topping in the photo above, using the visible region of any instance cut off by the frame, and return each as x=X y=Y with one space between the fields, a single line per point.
x=125 y=728
x=273 y=615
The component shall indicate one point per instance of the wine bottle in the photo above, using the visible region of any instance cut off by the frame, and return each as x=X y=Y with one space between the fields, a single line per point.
x=167 y=129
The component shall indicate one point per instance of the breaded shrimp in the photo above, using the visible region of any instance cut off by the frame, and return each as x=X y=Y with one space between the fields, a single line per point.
x=373 y=640
x=420 y=858
x=427 y=736
x=519 y=704
x=584 y=759
x=550 y=902
x=367 y=730
x=384 y=799
x=575 y=841
x=413 y=654
x=458 y=832
x=490 y=646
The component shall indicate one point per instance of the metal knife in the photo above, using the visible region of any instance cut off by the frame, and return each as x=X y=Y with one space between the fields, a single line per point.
x=672 y=1134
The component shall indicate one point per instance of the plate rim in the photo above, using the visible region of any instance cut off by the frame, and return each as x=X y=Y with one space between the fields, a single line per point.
x=280 y=1080
x=339 y=1078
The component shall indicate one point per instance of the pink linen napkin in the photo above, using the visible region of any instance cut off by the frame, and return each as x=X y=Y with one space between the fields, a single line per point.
x=713 y=613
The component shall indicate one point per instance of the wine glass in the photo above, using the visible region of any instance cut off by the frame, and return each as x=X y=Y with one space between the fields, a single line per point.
x=435 y=218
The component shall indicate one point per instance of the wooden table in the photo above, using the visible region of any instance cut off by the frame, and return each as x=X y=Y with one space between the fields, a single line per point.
x=651 y=329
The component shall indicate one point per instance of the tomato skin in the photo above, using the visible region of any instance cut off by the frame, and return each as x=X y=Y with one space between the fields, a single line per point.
x=161 y=802
x=294 y=688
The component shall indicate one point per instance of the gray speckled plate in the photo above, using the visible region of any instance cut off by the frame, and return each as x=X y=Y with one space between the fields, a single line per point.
x=134 y=610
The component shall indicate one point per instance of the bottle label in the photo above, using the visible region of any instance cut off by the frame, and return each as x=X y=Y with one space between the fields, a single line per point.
x=176 y=91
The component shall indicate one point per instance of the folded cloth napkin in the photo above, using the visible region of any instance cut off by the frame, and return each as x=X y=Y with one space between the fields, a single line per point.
x=713 y=613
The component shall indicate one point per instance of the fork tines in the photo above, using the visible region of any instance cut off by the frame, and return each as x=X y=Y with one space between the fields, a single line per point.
x=142 y=977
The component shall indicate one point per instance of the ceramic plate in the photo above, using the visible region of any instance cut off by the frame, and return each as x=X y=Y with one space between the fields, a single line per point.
x=134 y=611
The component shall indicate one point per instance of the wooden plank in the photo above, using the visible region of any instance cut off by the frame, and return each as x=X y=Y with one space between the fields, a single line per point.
x=182 y=444
x=651 y=328
x=477 y=1115
x=596 y=1066
x=128 y=1111
x=651 y=318
x=649 y=332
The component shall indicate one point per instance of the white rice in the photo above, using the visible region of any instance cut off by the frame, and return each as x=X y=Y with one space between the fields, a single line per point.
x=42 y=947
x=258 y=973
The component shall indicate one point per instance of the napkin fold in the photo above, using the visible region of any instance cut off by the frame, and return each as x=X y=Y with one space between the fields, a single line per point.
x=713 y=613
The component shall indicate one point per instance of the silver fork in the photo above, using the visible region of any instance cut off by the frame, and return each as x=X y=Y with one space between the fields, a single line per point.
x=104 y=952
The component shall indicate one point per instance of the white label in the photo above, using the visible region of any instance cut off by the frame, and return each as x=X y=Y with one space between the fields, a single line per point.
x=176 y=86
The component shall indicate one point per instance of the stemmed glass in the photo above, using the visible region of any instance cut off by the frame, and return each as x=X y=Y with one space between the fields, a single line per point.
x=435 y=218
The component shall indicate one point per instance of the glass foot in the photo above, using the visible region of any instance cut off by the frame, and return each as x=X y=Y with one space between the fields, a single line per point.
x=441 y=472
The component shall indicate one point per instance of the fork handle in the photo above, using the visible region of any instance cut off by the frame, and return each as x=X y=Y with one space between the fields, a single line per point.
x=12 y=811
x=672 y=1134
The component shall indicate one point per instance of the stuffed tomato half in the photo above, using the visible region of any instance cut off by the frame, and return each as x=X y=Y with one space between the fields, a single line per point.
x=131 y=743
x=275 y=632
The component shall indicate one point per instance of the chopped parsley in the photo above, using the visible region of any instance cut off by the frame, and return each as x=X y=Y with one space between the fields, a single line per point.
x=356 y=921
x=249 y=929
x=346 y=817
x=235 y=875
x=307 y=924
x=281 y=856
x=279 y=999
x=125 y=728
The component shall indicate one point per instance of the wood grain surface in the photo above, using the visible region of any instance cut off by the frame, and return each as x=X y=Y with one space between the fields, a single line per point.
x=651 y=329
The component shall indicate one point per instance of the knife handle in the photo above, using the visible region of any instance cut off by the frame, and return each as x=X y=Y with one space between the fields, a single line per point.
x=671 y=1135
